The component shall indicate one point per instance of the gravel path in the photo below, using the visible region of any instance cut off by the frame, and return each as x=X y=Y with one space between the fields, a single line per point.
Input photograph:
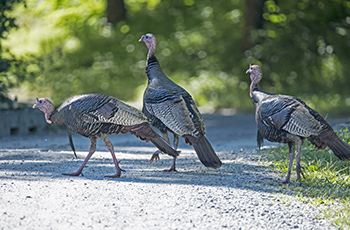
x=242 y=194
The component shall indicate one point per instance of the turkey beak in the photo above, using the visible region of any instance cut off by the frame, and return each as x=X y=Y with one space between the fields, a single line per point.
x=249 y=70
x=141 y=39
x=35 y=105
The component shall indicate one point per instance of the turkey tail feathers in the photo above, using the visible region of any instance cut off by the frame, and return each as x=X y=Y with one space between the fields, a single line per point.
x=145 y=132
x=330 y=139
x=205 y=151
x=161 y=144
x=339 y=148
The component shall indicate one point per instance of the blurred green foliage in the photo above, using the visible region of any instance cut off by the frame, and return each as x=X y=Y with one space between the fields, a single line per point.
x=304 y=50
x=7 y=22
x=68 y=48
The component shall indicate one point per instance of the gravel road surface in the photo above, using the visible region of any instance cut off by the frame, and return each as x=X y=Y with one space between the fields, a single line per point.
x=242 y=194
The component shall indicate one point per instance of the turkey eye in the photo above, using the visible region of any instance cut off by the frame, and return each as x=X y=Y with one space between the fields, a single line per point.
x=40 y=101
x=147 y=37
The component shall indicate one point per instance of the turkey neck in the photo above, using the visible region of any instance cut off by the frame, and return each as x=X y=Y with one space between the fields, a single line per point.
x=155 y=73
x=151 y=49
x=255 y=83
x=257 y=95
x=57 y=118
x=255 y=92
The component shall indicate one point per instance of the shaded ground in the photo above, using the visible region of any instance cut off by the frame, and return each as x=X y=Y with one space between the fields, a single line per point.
x=241 y=194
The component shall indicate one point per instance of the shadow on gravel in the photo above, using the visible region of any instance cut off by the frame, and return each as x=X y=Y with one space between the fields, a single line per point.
x=46 y=156
x=41 y=165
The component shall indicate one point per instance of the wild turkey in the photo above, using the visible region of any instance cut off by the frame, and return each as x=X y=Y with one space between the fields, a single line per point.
x=95 y=116
x=287 y=119
x=171 y=108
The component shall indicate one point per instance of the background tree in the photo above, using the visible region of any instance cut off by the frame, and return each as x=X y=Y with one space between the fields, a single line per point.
x=115 y=11
x=7 y=22
x=304 y=50
x=253 y=20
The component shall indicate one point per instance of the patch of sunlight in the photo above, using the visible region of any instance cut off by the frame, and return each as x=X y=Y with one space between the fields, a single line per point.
x=124 y=29
x=44 y=25
x=189 y=2
x=71 y=45
x=25 y=94
x=28 y=40
x=136 y=5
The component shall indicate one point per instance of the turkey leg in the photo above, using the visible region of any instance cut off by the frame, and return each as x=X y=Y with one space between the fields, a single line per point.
x=176 y=143
x=109 y=146
x=155 y=155
x=92 y=149
x=298 y=167
x=291 y=146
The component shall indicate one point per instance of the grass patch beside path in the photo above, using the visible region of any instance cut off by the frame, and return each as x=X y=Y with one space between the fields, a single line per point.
x=327 y=178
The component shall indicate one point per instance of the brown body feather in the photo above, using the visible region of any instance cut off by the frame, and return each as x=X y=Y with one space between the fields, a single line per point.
x=172 y=109
x=95 y=116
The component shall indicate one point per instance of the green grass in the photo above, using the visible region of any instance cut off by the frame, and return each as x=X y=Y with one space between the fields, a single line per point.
x=327 y=179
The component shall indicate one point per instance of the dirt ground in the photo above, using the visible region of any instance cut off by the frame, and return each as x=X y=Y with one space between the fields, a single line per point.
x=242 y=194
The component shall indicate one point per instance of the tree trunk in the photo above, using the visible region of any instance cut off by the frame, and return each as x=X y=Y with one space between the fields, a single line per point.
x=253 y=20
x=116 y=11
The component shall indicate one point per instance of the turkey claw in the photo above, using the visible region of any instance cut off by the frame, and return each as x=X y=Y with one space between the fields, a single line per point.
x=114 y=176
x=155 y=157
x=117 y=174
x=170 y=170
x=73 y=174
x=285 y=181
x=302 y=172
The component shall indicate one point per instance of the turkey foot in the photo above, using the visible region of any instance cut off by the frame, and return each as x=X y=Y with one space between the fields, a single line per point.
x=117 y=174
x=286 y=181
x=300 y=171
x=91 y=151
x=155 y=156
x=172 y=168
x=77 y=173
